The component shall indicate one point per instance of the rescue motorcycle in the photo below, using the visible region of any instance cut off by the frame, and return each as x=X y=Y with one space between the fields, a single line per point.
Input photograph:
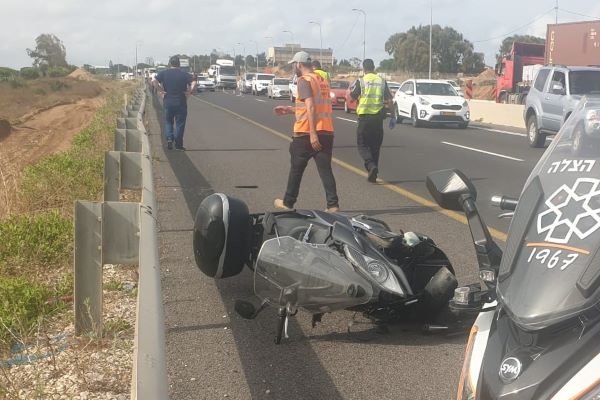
x=322 y=262
x=538 y=335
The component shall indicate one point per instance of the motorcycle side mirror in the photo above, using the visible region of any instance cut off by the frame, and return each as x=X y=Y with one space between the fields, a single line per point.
x=449 y=188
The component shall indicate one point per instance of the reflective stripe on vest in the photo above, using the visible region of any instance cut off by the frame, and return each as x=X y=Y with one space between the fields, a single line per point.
x=322 y=101
x=371 y=94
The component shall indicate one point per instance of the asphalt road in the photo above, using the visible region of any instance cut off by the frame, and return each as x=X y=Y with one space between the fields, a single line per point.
x=214 y=354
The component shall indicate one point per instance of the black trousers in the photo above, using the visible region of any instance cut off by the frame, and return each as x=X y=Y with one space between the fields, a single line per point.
x=369 y=137
x=301 y=152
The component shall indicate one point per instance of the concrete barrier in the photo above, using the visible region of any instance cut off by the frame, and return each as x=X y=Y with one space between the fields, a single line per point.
x=490 y=112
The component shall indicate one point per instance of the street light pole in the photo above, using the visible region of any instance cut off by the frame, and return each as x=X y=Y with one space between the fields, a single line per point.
x=256 y=43
x=273 y=46
x=430 y=34
x=291 y=33
x=364 y=29
x=320 y=38
x=139 y=42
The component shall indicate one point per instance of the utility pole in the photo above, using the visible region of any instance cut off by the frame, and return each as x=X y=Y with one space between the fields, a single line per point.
x=364 y=29
x=321 y=40
x=556 y=13
x=430 y=34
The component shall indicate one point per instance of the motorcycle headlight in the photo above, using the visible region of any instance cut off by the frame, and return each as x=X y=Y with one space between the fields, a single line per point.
x=376 y=270
x=466 y=388
x=423 y=101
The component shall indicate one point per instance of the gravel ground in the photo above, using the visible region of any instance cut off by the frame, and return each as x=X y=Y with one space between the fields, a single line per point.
x=57 y=365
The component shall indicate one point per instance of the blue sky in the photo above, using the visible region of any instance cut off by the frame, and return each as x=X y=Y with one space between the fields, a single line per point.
x=95 y=32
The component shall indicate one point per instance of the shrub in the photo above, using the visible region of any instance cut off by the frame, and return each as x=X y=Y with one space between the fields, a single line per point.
x=57 y=72
x=39 y=92
x=35 y=239
x=30 y=73
x=55 y=86
x=6 y=73
x=22 y=304
x=15 y=82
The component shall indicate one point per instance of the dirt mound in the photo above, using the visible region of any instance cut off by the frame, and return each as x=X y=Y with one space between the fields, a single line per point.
x=486 y=76
x=81 y=74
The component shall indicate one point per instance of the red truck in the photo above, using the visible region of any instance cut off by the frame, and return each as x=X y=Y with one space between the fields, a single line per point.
x=576 y=43
x=511 y=87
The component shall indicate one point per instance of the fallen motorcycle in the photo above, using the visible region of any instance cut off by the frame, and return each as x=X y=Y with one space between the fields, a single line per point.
x=322 y=262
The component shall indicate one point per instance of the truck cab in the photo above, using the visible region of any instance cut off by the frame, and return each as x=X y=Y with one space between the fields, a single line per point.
x=224 y=74
x=553 y=97
x=510 y=85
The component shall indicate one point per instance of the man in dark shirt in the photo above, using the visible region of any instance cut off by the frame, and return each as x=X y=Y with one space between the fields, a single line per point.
x=175 y=85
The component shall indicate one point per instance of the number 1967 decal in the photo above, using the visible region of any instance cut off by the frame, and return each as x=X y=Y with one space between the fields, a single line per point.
x=552 y=258
x=571 y=166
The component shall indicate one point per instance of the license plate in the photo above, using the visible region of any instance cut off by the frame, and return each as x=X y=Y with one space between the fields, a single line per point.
x=448 y=113
x=341 y=100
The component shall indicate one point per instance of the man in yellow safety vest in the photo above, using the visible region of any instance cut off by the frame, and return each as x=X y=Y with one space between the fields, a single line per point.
x=372 y=94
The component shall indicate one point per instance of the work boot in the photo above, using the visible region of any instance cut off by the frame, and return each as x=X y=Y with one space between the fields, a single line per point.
x=373 y=171
x=278 y=203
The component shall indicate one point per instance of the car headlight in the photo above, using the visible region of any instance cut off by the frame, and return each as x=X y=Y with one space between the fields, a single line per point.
x=332 y=95
x=466 y=389
x=465 y=104
x=423 y=101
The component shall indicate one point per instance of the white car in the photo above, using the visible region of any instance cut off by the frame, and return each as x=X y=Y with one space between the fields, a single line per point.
x=434 y=101
x=260 y=83
x=278 y=88
x=456 y=87
x=204 y=84
x=246 y=82
x=293 y=88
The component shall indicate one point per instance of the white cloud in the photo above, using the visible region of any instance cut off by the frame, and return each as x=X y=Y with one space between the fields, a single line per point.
x=96 y=31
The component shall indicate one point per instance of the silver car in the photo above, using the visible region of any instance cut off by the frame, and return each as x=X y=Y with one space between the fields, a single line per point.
x=278 y=88
x=555 y=93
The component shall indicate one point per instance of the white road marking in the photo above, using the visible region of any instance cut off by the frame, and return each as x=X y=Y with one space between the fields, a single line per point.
x=347 y=119
x=500 y=131
x=261 y=100
x=483 y=151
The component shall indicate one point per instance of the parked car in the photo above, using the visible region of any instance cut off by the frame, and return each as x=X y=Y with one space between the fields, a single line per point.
x=435 y=101
x=278 y=88
x=293 y=88
x=246 y=84
x=338 y=93
x=394 y=86
x=260 y=83
x=456 y=87
x=204 y=84
x=554 y=95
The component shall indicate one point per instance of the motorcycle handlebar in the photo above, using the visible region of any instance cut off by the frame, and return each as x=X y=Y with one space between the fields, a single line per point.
x=505 y=202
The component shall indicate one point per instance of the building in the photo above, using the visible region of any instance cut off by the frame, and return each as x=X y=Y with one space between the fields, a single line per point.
x=281 y=55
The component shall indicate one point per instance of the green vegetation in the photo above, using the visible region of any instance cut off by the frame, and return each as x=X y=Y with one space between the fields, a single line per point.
x=6 y=73
x=57 y=72
x=40 y=241
x=30 y=73
x=31 y=240
x=113 y=327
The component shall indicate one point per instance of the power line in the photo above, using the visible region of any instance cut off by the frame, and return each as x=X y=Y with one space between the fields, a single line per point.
x=579 y=14
x=517 y=29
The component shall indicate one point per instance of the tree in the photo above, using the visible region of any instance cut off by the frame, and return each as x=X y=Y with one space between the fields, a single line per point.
x=507 y=43
x=387 y=65
x=451 y=52
x=49 y=52
x=344 y=63
x=355 y=62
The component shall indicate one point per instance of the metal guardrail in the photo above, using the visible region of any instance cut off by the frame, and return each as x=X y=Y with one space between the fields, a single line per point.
x=116 y=232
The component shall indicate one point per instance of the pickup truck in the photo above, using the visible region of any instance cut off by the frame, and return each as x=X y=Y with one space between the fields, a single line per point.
x=553 y=97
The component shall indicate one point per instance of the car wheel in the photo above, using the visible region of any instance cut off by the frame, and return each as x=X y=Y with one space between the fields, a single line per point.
x=416 y=122
x=534 y=136
x=399 y=119
x=503 y=98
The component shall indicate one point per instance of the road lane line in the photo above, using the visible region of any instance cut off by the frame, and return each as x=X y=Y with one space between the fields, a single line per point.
x=483 y=151
x=261 y=100
x=348 y=119
x=500 y=131
x=394 y=188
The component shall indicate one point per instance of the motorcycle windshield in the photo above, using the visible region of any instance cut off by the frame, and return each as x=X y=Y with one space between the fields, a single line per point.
x=550 y=270
x=292 y=273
